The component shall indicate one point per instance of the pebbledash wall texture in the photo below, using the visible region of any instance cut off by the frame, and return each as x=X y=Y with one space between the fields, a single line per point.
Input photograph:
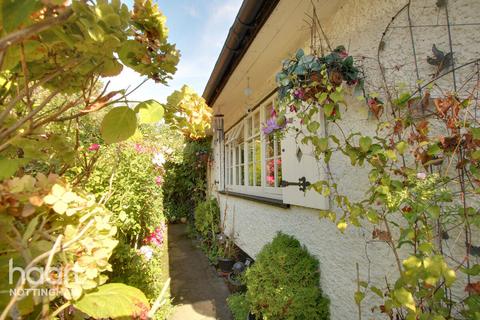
x=359 y=25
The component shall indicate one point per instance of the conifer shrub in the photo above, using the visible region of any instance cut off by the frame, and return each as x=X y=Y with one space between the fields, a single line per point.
x=283 y=283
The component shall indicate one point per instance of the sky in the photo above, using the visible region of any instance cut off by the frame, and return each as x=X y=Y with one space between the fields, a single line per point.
x=199 y=28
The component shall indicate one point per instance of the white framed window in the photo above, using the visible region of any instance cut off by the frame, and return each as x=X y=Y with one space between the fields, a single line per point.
x=253 y=159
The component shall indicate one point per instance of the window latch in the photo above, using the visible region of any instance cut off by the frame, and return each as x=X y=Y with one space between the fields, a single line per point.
x=302 y=184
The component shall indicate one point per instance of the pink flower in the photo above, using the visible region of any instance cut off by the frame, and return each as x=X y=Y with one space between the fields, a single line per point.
x=159 y=180
x=139 y=148
x=421 y=175
x=94 y=147
x=270 y=180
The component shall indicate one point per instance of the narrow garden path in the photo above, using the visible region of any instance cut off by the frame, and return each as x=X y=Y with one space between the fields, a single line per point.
x=197 y=292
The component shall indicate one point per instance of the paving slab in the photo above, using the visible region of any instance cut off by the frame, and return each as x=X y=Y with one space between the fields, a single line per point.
x=197 y=291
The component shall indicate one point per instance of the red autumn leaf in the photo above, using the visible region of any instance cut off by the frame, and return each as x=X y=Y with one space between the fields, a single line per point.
x=473 y=288
x=100 y=102
x=381 y=235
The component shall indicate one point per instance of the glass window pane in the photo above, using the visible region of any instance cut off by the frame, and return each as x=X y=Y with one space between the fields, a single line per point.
x=257 y=149
x=258 y=162
x=250 y=174
x=251 y=152
x=270 y=146
x=270 y=173
x=242 y=154
x=236 y=175
x=256 y=122
x=279 y=172
x=242 y=175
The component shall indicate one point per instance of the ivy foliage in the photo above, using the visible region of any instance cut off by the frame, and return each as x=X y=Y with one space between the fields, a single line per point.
x=283 y=282
x=185 y=180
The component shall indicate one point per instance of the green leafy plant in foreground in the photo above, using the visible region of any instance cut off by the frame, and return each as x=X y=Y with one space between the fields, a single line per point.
x=63 y=229
x=207 y=218
x=238 y=306
x=283 y=282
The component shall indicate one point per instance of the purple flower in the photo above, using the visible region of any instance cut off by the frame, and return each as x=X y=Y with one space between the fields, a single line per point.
x=94 y=147
x=299 y=94
x=270 y=126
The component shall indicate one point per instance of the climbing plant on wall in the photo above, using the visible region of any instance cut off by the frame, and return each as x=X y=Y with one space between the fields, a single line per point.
x=424 y=175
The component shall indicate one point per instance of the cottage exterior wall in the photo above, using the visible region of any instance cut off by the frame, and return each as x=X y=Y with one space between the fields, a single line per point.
x=358 y=25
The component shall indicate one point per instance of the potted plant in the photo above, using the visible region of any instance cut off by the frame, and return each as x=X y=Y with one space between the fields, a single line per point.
x=226 y=253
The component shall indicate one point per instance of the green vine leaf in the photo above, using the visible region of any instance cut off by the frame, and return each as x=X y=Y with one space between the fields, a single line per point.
x=401 y=147
x=313 y=126
x=118 y=125
x=365 y=143
x=149 y=111
x=113 y=300
x=405 y=298
x=359 y=296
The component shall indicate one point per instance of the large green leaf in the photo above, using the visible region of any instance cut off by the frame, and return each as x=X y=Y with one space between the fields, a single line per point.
x=149 y=111
x=119 y=124
x=114 y=300
x=8 y=167
x=16 y=12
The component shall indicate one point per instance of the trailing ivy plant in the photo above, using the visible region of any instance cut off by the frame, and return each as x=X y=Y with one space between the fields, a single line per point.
x=424 y=182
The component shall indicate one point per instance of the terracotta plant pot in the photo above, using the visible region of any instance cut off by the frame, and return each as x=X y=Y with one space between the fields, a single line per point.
x=225 y=264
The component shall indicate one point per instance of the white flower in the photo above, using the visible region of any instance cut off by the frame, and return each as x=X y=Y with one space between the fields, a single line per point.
x=158 y=159
x=147 y=252
x=421 y=175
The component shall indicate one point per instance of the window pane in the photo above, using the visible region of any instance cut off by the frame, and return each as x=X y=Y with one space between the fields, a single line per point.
x=242 y=154
x=237 y=175
x=250 y=174
x=270 y=173
x=251 y=152
x=270 y=146
x=249 y=127
x=242 y=175
x=256 y=122
x=258 y=163
x=231 y=175
x=279 y=172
